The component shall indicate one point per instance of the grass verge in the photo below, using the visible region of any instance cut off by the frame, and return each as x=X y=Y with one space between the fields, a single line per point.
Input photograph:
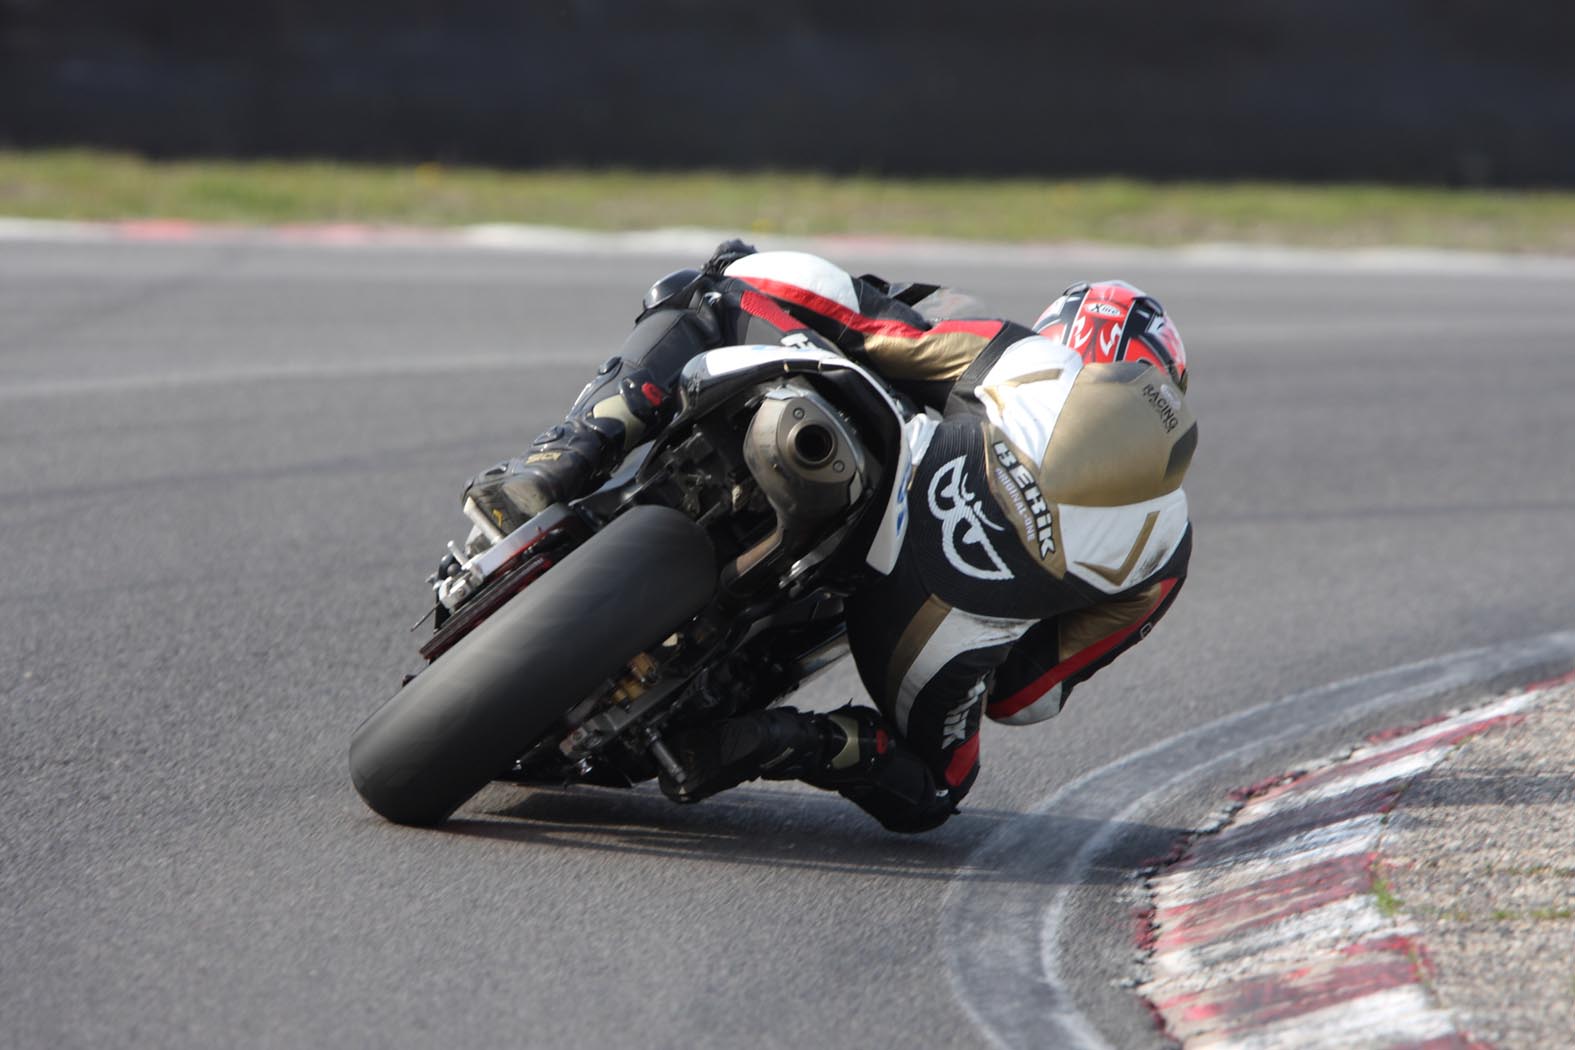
x=78 y=184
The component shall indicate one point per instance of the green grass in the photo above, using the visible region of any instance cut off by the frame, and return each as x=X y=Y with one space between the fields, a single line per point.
x=76 y=184
x=1383 y=893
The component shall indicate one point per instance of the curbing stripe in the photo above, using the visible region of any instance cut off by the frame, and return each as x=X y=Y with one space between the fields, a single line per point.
x=1188 y=884
x=1288 y=938
x=1388 y=1018
x=1001 y=935
x=1403 y=746
x=1258 y=1001
x=1289 y=941
x=1218 y=916
x=1257 y=835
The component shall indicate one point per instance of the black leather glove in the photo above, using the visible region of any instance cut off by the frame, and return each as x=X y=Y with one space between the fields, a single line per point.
x=726 y=253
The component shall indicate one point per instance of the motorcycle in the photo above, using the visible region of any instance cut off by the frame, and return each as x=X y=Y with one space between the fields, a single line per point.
x=706 y=578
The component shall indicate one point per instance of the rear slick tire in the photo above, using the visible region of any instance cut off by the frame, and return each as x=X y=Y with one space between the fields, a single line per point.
x=464 y=720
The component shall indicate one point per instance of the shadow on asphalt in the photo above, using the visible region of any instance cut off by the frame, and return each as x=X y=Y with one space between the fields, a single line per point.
x=755 y=827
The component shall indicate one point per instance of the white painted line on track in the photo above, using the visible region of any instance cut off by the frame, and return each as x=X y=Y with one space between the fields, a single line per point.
x=1001 y=939
x=313 y=371
x=699 y=242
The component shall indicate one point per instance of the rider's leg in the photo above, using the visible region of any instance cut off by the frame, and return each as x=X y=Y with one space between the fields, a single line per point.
x=907 y=764
x=630 y=397
x=625 y=403
x=926 y=667
x=851 y=751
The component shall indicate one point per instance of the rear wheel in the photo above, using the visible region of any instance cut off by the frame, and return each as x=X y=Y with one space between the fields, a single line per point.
x=464 y=720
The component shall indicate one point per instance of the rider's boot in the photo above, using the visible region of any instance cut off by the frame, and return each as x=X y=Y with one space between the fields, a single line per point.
x=777 y=744
x=849 y=751
x=617 y=411
x=625 y=403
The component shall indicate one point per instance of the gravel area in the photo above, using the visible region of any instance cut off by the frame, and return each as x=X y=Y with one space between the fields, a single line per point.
x=1480 y=854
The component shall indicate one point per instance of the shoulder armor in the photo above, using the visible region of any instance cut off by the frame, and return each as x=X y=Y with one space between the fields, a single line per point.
x=800 y=270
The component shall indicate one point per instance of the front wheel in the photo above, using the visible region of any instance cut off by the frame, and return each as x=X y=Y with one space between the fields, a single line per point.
x=464 y=720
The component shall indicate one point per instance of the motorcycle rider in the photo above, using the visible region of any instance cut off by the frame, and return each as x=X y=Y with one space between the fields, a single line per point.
x=1048 y=529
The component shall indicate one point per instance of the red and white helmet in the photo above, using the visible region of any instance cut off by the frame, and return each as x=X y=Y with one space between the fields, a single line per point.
x=1113 y=321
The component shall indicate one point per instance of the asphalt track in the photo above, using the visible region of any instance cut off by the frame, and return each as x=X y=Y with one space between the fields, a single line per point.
x=225 y=469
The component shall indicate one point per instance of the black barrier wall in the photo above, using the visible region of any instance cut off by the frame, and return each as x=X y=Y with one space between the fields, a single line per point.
x=1412 y=90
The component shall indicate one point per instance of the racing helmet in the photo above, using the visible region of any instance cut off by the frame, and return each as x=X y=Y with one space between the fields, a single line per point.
x=1113 y=321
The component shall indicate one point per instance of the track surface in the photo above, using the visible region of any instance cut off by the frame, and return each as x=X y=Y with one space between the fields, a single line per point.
x=226 y=470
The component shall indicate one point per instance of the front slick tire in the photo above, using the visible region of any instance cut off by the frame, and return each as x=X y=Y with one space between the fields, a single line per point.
x=464 y=720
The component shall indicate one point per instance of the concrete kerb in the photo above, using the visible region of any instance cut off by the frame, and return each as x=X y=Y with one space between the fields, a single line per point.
x=1002 y=937
x=1275 y=927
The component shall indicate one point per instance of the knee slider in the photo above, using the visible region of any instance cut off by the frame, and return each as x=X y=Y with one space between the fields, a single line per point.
x=901 y=793
x=903 y=815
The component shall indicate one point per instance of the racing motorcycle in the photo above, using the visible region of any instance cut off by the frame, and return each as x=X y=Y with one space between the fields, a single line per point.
x=704 y=579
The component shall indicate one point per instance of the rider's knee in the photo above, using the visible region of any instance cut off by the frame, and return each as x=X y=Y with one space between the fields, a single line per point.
x=904 y=796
